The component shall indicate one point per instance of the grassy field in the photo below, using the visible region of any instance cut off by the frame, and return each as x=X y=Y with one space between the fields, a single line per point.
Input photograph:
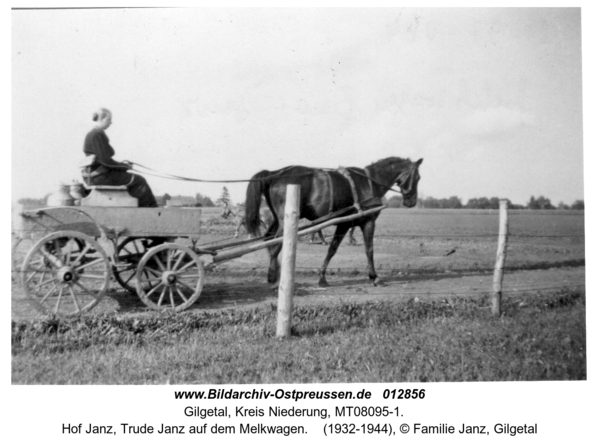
x=415 y=240
x=431 y=323
x=537 y=338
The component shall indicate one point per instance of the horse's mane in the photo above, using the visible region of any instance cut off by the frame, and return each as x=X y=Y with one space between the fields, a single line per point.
x=389 y=160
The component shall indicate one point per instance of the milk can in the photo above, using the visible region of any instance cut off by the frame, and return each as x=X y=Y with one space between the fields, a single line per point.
x=60 y=197
x=77 y=192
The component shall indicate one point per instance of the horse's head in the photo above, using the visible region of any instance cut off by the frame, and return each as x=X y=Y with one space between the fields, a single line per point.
x=408 y=181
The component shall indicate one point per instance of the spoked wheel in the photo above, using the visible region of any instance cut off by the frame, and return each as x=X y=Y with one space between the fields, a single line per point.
x=130 y=252
x=19 y=248
x=170 y=277
x=65 y=273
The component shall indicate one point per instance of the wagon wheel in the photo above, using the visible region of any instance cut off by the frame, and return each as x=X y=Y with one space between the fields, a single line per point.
x=19 y=248
x=170 y=277
x=129 y=253
x=65 y=273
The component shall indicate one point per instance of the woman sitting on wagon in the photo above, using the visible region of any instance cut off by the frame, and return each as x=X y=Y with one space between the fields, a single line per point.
x=104 y=170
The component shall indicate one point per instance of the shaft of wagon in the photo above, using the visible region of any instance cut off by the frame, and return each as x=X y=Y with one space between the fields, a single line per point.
x=236 y=253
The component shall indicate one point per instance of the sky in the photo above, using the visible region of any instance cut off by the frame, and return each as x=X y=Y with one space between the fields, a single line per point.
x=491 y=99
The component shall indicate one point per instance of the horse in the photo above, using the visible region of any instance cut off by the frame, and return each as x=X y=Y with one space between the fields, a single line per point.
x=239 y=215
x=323 y=192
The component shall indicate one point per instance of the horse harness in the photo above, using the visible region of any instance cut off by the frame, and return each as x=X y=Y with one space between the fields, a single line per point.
x=401 y=179
x=358 y=204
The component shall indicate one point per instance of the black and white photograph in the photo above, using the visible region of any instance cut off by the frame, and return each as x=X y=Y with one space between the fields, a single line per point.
x=301 y=221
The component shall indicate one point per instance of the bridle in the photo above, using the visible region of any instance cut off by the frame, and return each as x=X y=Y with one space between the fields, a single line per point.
x=406 y=180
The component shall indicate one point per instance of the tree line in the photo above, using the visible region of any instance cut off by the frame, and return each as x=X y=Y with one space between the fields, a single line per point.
x=454 y=202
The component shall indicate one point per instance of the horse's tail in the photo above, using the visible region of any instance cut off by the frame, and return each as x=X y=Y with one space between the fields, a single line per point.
x=259 y=185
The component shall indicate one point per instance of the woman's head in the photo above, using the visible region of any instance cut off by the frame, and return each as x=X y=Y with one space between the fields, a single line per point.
x=102 y=118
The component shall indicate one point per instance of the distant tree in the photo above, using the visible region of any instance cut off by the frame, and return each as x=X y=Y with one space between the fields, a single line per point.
x=454 y=202
x=578 y=205
x=478 y=203
x=545 y=204
x=533 y=204
x=562 y=206
x=204 y=201
x=431 y=203
x=510 y=205
x=494 y=202
x=540 y=203
x=482 y=203
x=224 y=198
x=487 y=203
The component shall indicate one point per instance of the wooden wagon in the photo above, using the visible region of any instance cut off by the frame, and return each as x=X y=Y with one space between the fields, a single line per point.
x=78 y=249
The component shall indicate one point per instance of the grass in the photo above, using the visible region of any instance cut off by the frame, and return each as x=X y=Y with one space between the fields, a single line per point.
x=539 y=337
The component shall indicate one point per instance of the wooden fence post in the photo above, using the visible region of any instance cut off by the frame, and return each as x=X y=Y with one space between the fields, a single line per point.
x=288 y=261
x=500 y=259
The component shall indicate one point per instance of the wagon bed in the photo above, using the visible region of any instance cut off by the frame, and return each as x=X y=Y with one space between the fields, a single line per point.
x=78 y=249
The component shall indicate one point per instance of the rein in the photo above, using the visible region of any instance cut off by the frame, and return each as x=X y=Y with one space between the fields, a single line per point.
x=163 y=175
x=159 y=174
x=395 y=181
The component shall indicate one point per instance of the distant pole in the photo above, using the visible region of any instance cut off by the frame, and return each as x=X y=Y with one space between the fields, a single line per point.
x=500 y=259
x=288 y=261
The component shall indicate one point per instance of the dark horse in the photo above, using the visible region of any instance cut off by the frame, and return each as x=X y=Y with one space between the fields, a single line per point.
x=325 y=191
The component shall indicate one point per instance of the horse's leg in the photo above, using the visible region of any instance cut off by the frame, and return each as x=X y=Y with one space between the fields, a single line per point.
x=351 y=239
x=322 y=237
x=237 y=229
x=241 y=222
x=276 y=229
x=320 y=233
x=340 y=232
x=273 y=274
x=263 y=223
x=368 y=230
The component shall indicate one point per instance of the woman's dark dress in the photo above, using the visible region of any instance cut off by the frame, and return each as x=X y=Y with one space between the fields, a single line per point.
x=110 y=172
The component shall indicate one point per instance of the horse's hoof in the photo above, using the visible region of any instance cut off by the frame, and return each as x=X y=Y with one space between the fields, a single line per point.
x=378 y=282
x=323 y=283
